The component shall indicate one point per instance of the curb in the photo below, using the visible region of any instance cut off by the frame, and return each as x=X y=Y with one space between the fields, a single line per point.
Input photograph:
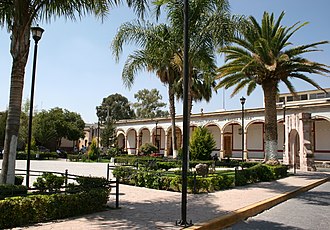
x=254 y=209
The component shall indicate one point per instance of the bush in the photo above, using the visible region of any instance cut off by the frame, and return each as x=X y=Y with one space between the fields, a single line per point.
x=201 y=144
x=49 y=182
x=94 y=151
x=19 y=180
x=8 y=190
x=259 y=173
x=248 y=164
x=87 y=183
x=279 y=171
x=21 y=211
x=148 y=148
x=124 y=174
x=166 y=165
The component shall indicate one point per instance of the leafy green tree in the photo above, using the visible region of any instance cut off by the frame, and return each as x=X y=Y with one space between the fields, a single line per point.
x=18 y=16
x=149 y=103
x=115 y=106
x=93 y=152
x=108 y=134
x=262 y=55
x=53 y=125
x=74 y=125
x=202 y=144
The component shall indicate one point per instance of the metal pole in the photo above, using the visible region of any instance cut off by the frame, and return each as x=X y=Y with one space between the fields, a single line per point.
x=31 y=114
x=242 y=132
x=284 y=127
x=185 y=143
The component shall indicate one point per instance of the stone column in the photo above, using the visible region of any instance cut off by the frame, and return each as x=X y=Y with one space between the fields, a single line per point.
x=246 y=156
x=222 y=153
x=306 y=143
x=165 y=146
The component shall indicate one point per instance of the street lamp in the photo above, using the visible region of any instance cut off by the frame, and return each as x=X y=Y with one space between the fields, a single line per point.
x=242 y=99
x=36 y=35
x=284 y=108
x=156 y=138
x=185 y=118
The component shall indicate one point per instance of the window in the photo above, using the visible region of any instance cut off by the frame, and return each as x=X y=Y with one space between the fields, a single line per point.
x=289 y=98
x=312 y=96
x=320 y=95
x=303 y=97
x=281 y=99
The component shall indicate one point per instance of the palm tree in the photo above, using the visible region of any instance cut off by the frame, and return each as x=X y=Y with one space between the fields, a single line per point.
x=262 y=56
x=18 y=16
x=159 y=50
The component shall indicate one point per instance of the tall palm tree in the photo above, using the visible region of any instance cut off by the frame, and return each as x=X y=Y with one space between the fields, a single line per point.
x=18 y=16
x=263 y=56
x=159 y=50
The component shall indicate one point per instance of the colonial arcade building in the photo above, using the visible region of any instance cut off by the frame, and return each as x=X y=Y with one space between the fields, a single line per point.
x=303 y=131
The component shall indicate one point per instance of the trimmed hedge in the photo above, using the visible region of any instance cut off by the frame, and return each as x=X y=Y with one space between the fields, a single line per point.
x=162 y=181
x=8 y=190
x=21 y=211
x=33 y=155
x=259 y=173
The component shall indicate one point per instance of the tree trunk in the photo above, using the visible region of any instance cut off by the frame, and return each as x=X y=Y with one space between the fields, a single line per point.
x=20 y=44
x=270 y=93
x=172 y=114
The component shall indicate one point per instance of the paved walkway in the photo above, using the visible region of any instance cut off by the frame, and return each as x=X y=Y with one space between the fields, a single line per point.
x=143 y=208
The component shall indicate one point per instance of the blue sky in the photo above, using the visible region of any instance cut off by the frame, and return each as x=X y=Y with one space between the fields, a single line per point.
x=76 y=69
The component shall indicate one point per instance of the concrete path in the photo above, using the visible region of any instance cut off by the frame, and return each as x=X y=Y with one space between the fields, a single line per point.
x=143 y=208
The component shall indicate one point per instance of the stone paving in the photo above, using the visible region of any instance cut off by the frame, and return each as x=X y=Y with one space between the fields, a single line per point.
x=142 y=208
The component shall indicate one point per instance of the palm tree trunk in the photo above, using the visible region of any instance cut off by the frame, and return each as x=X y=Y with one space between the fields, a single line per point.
x=172 y=114
x=270 y=93
x=20 y=44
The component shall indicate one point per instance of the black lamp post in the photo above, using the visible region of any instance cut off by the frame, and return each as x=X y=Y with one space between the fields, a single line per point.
x=156 y=138
x=242 y=99
x=284 y=108
x=36 y=35
x=185 y=141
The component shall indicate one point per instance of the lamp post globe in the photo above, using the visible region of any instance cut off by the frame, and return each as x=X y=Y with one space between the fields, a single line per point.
x=37 y=33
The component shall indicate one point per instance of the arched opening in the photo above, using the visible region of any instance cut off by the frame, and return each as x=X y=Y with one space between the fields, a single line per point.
x=215 y=130
x=121 y=141
x=232 y=140
x=255 y=140
x=169 y=140
x=131 y=142
x=159 y=139
x=144 y=136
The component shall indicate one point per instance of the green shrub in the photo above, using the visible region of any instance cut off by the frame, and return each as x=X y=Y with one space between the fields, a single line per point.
x=248 y=164
x=148 y=148
x=124 y=174
x=94 y=151
x=166 y=165
x=201 y=144
x=21 y=211
x=18 y=180
x=8 y=190
x=227 y=163
x=87 y=183
x=258 y=173
x=49 y=182
x=279 y=171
